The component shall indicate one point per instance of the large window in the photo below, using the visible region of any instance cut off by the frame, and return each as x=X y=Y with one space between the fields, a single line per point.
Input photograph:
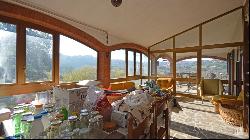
x=38 y=56
x=77 y=61
x=7 y=53
x=138 y=60
x=130 y=63
x=118 y=64
x=144 y=65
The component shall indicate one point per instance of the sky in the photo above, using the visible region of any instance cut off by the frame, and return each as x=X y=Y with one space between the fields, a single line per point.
x=71 y=47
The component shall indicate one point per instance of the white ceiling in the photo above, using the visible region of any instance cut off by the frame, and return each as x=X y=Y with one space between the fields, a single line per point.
x=144 y=22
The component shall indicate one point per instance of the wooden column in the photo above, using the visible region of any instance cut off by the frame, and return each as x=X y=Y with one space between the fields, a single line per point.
x=174 y=66
x=149 y=68
x=134 y=63
x=245 y=12
x=103 y=68
x=20 y=54
x=126 y=60
x=141 y=68
x=56 y=63
x=199 y=58
x=233 y=72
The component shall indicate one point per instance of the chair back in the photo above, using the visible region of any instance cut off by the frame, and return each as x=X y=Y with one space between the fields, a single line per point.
x=164 y=82
x=212 y=86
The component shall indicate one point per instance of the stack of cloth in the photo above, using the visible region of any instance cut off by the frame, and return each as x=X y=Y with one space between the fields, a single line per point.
x=137 y=104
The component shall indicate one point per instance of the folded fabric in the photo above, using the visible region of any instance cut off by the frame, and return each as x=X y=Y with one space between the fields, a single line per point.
x=137 y=104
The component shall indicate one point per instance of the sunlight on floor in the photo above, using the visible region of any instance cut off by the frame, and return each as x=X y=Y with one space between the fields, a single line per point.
x=199 y=121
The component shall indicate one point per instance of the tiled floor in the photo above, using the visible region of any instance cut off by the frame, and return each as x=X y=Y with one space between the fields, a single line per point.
x=199 y=121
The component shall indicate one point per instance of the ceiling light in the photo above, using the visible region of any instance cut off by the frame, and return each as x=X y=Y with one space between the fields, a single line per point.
x=116 y=3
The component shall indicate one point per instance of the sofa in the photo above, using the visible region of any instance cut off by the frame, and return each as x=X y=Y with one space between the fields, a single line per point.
x=121 y=85
x=125 y=85
x=165 y=83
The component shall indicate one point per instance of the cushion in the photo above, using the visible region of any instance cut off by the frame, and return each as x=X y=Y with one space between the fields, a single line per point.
x=241 y=96
x=117 y=86
x=211 y=86
x=164 y=82
x=129 y=84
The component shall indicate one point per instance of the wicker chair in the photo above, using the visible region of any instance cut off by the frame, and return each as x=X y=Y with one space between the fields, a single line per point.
x=209 y=88
x=231 y=114
x=227 y=99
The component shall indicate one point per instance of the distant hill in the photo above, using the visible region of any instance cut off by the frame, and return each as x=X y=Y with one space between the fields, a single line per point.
x=73 y=62
x=208 y=66
x=215 y=66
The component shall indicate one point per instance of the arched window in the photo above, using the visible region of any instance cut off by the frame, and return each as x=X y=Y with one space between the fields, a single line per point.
x=118 y=64
x=77 y=61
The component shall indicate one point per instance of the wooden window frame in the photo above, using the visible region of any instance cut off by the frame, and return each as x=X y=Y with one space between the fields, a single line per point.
x=21 y=86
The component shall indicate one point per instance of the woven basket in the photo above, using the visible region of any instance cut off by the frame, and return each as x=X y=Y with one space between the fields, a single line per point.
x=231 y=114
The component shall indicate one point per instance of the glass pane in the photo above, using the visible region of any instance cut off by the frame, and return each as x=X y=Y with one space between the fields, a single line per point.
x=186 y=73
x=77 y=61
x=130 y=63
x=226 y=29
x=118 y=64
x=163 y=67
x=187 y=39
x=167 y=44
x=138 y=63
x=38 y=55
x=7 y=53
x=214 y=69
x=144 y=65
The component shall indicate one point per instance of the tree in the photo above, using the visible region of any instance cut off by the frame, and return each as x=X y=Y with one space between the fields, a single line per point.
x=38 y=53
x=84 y=73
x=7 y=53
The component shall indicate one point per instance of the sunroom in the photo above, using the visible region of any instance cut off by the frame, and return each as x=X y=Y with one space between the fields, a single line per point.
x=124 y=69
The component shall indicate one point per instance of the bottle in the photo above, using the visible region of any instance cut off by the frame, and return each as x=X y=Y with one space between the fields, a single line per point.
x=17 y=117
x=99 y=119
x=45 y=118
x=64 y=111
x=28 y=128
x=84 y=120
x=72 y=122
x=54 y=129
x=37 y=126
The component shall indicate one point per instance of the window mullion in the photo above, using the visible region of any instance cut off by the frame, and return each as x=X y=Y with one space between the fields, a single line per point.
x=55 y=68
x=21 y=54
